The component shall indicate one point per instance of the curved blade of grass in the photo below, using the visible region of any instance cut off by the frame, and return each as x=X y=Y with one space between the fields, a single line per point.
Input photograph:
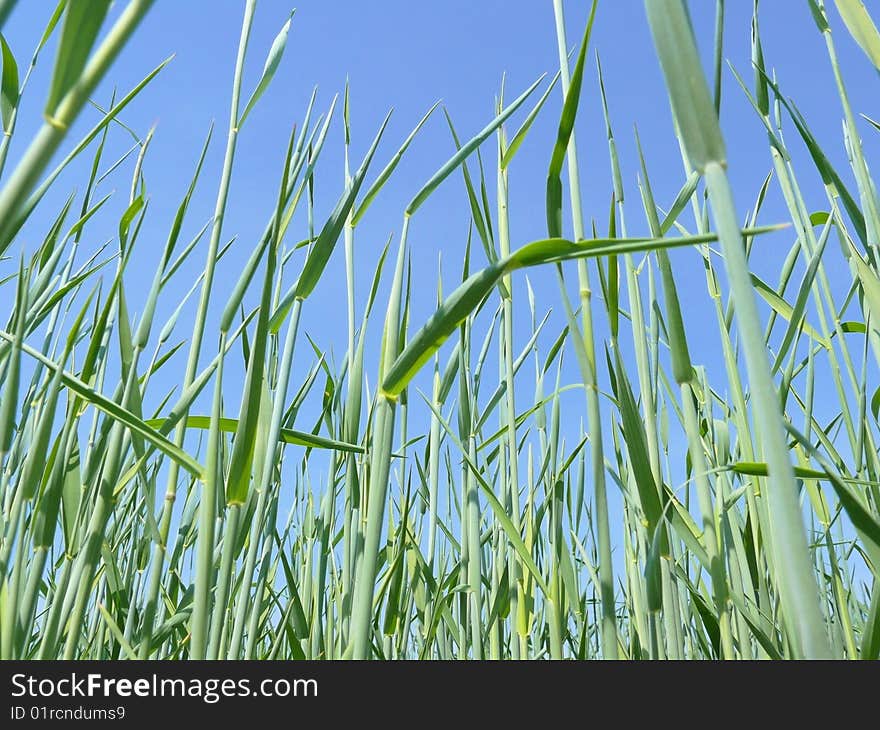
x=563 y=135
x=466 y=149
x=798 y=321
x=247 y=431
x=785 y=310
x=469 y=295
x=320 y=253
x=8 y=86
x=50 y=26
x=389 y=168
x=287 y=435
x=520 y=135
x=861 y=26
x=637 y=446
x=82 y=21
x=115 y=411
x=276 y=51
x=329 y=235
x=681 y=201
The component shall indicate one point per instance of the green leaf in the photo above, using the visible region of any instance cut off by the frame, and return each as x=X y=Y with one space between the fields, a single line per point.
x=50 y=26
x=9 y=399
x=115 y=411
x=469 y=295
x=465 y=151
x=287 y=436
x=759 y=469
x=692 y=104
x=8 y=86
x=637 y=447
x=861 y=27
x=82 y=21
x=454 y=310
x=127 y=218
x=329 y=235
x=853 y=327
x=784 y=309
x=563 y=135
x=870 y=286
x=797 y=319
x=859 y=513
x=389 y=168
x=653 y=584
x=520 y=135
x=269 y=68
x=319 y=255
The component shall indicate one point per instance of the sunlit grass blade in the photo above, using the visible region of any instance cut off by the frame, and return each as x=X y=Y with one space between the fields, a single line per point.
x=701 y=135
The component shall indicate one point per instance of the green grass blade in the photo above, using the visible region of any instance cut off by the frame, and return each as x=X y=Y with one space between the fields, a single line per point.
x=82 y=21
x=269 y=68
x=861 y=26
x=466 y=149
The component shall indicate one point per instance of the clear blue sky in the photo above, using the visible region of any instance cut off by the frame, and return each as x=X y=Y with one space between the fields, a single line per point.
x=406 y=55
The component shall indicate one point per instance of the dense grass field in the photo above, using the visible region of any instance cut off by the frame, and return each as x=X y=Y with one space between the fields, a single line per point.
x=216 y=484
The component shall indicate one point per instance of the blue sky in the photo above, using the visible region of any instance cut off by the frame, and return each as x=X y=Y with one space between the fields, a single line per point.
x=407 y=55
